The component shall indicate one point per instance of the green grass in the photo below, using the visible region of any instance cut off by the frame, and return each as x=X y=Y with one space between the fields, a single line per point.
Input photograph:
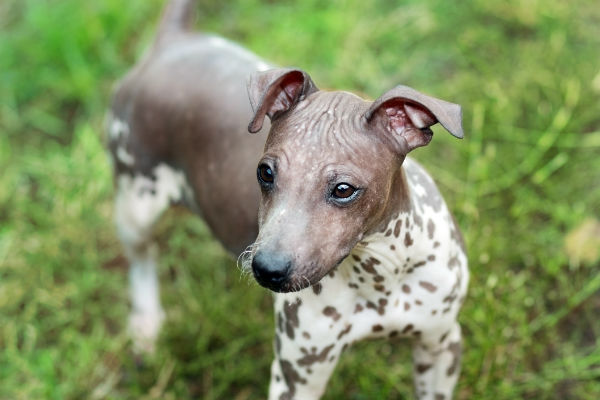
x=526 y=177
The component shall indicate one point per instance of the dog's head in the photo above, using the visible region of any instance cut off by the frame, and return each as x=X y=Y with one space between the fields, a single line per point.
x=330 y=165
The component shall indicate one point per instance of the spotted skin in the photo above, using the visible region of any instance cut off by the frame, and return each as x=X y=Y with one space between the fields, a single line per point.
x=423 y=284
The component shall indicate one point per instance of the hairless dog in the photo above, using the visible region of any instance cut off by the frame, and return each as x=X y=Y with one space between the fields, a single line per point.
x=350 y=234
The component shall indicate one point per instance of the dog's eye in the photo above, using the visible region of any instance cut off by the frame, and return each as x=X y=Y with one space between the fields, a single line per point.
x=265 y=174
x=343 y=191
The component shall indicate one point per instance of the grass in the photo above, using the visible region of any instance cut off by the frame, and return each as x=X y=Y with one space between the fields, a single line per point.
x=524 y=184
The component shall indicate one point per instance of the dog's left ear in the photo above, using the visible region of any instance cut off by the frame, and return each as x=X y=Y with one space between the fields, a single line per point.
x=406 y=115
x=276 y=91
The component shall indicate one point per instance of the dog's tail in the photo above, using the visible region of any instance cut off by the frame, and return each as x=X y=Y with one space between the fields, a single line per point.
x=177 y=17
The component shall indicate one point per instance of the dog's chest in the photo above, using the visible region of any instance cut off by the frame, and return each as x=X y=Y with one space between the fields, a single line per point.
x=400 y=281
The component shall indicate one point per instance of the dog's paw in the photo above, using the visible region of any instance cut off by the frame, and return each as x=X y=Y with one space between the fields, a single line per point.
x=144 y=328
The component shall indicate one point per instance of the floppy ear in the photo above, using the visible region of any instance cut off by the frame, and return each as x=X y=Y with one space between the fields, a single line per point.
x=406 y=115
x=276 y=91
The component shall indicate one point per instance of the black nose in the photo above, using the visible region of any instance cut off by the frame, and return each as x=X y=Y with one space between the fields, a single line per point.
x=271 y=270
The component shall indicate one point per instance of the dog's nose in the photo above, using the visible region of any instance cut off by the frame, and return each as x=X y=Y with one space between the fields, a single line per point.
x=271 y=270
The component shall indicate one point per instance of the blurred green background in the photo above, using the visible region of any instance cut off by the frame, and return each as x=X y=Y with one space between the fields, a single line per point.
x=524 y=185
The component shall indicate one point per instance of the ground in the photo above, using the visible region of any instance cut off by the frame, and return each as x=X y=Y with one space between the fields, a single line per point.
x=523 y=184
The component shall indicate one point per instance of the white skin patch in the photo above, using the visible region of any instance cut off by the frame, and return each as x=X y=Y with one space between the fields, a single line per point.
x=118 y=130
x=125 y=157
x=139 y=203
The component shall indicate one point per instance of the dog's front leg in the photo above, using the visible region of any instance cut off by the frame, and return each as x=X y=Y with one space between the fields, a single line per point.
x=436 y=364
x=307 y=347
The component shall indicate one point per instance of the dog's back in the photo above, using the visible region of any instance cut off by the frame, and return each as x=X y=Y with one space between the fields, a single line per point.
x=185 y=105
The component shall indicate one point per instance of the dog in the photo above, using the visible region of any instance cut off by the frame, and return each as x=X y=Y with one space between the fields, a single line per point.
x=328 y=212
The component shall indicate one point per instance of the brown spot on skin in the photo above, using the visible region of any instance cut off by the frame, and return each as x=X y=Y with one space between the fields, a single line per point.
x=430 y=287
x=444 y=336
x=407 y=222
x=292 y=377
x=439 y=396
x=314 y=357
x=317 y=287
x=306 y=335
x=378 y=278
x=422 y=368
x=396 y=302
x=436 y=245
x=457 y=236
x=368 y=265
x=417 y=333
x=355 y=257
x=344 y=347
x=450 y=298
x=406 y=306
x=419 y=264
x=418 y=220
x=332 y=313
x=388 y=233
x=406 y=288
x=379 y=287
x=280 y=321
x=431 y=257
x=291 y=316
x=407 y=328
x=277 y=344
x=430 y=229
x=361 y=279
x=353 y=286
x=358 y=308
x=433 y=312
x=418 y=302
x=456 y=349
x=377 y=328
x=344 y=332
x=453 y=262
x=380 y=309
x=446 y=310
x=408 y=240
x=392 y=247
x=397 y=228
x=393 y=334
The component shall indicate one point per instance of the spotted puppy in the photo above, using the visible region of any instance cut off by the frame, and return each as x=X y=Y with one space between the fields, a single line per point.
x=351 y=235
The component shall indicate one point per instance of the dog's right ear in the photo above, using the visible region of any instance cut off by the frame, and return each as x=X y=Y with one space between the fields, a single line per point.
x=276 y=91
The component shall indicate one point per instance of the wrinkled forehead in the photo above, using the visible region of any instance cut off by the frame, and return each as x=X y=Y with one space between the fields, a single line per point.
x=325 y=122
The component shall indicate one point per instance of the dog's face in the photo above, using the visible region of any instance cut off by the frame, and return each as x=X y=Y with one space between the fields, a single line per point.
x=327 y=176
